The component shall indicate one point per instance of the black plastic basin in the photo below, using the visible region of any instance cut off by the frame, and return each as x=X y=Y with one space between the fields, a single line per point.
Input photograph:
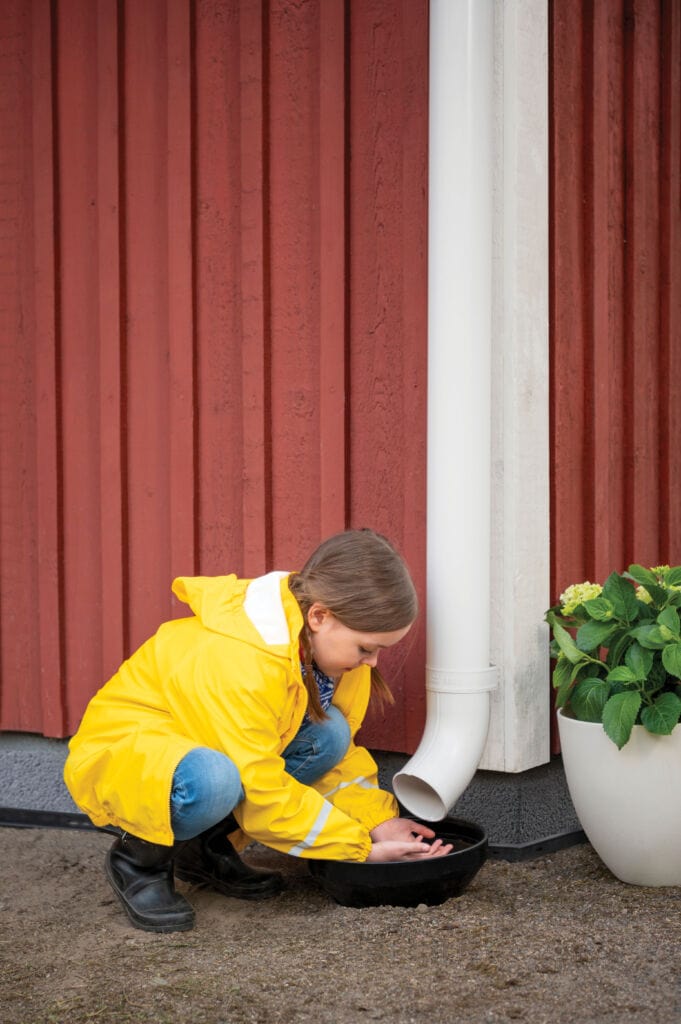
x=408 y=883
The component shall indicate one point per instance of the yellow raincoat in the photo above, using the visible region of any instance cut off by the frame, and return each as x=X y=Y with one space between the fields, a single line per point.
x=227 y=678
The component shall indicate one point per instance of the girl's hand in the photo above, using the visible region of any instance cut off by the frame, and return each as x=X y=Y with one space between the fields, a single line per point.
x=402 y=829
x=403 y=839
x=416 y=849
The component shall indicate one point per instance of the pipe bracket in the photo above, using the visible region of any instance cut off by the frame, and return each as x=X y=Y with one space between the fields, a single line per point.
x=462 y=680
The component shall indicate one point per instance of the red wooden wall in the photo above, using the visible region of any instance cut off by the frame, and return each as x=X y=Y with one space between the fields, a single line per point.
x=214 y=315
x=615 y=286
x=213 y=308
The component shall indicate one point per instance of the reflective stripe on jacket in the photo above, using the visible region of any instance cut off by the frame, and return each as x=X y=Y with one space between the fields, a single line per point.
x=227 y=678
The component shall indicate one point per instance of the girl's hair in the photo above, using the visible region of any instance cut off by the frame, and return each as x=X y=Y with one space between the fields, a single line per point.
x=362 y=580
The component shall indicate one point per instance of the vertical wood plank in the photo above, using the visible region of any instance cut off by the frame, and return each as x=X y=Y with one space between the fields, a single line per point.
x=182 y=484
x=414 y=256
x=110 y=330
x=670 y=280
x=642 y=326
x=606 y=215
x=25 y=108
x=78 y=324
x=255 y=302
x=219 y=296
x=147 y=402
x=332 y=268
x=569 y=381
x=49 y=563
x=293 y=276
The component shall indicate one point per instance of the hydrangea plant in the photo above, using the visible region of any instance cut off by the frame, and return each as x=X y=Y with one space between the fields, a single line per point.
x=618 y=651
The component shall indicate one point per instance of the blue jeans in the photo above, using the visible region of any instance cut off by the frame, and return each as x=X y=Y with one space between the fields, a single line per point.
x=207 y=787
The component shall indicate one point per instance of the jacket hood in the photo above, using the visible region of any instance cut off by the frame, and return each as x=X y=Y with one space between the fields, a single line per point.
x=262 y=611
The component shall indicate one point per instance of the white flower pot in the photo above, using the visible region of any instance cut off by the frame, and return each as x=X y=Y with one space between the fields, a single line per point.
x=628 y=801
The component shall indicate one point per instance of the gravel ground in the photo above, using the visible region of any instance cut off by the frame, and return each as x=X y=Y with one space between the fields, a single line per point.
x=556 y=939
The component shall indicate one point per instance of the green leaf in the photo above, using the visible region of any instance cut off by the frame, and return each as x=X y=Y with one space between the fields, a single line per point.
x=649 y=636
x=661 y=716
x=622 y=674
x=619 y=716
x=562 y=680
x=592 y=635
x=639 y=660
x=671 y=659
x=588 y=698
x=598 y=608
x=673 y=598
x=657 y=676
x=567 y=644
x=621 y=594
x=673 y=577
x=579 y=670
x=669 y=617
x=618 y=645
x=643 y=576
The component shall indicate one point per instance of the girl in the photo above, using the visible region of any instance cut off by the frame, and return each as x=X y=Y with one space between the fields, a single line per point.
x=244 y=716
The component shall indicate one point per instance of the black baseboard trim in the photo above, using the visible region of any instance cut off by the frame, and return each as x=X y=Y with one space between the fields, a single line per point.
x=536 y=848
x=18 y=817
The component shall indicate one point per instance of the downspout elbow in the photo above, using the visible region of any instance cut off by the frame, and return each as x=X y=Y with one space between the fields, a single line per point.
x=457 y=720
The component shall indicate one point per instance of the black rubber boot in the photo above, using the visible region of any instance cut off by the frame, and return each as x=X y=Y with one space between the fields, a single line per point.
x=210 y=859
x=141 y=875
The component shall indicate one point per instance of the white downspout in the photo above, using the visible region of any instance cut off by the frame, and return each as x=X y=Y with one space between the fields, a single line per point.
x=458 y=673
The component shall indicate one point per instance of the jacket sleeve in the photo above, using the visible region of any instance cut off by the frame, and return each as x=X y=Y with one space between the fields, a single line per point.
x=352 y=787
x=233 y=704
